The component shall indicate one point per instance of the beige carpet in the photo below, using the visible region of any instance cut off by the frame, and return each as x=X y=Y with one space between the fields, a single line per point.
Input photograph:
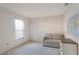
x=34 y=49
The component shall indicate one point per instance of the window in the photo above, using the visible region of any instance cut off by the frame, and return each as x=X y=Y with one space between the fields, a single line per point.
x=19 y=29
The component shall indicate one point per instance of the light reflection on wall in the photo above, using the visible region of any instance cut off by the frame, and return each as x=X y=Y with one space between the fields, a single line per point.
x=73 y=25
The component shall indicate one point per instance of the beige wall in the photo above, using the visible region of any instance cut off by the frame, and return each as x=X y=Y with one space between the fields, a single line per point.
x=7 y=31
x=41 y=26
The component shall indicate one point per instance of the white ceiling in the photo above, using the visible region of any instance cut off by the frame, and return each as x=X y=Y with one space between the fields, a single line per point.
x=36 y=10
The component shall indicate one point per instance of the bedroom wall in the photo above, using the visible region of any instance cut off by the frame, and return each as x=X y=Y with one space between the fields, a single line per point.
x=41 y=26
x=7 y=30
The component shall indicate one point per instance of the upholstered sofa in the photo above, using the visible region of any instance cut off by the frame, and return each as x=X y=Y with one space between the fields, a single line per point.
x=53 y=40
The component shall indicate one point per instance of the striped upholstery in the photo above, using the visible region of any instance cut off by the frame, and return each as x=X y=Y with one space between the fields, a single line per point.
x=53 y=40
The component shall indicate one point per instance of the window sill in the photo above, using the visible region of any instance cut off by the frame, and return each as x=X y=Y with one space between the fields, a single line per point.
x=20 y=39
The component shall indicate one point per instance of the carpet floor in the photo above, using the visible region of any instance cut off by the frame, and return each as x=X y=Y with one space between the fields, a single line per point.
x=33 y=49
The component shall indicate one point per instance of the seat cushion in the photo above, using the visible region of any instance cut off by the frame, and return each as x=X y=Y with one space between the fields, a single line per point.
x=52 y=43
